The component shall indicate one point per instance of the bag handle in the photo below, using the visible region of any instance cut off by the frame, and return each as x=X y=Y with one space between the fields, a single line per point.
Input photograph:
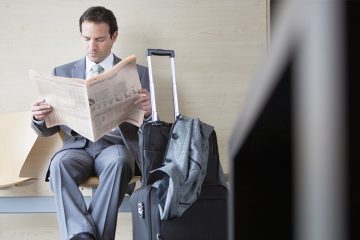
x=161 y=52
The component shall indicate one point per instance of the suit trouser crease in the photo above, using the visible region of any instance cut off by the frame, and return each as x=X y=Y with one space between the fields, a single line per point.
x=114 y=166
x=115 y=169
x=68 y=169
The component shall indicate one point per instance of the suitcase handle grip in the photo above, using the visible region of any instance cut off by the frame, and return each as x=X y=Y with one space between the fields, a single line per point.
x=161 y=52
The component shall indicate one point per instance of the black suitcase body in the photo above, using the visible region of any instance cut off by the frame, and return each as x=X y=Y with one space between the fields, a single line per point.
x=206 y=219
x=153 y=138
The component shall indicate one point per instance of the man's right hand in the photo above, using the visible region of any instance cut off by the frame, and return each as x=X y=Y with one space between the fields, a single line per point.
x=40 y=109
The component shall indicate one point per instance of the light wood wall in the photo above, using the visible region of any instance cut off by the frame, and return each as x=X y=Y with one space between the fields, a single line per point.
x=218 y=46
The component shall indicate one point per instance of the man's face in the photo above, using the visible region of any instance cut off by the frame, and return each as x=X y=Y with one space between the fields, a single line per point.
x=97 y=40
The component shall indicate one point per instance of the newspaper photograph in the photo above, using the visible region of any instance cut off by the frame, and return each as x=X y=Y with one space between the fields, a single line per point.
x=94 y=106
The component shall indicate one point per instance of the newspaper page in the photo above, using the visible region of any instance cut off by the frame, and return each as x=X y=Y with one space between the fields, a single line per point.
x=94 y=106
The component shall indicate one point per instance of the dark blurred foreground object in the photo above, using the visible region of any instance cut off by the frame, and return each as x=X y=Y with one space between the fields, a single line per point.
x=294 y=165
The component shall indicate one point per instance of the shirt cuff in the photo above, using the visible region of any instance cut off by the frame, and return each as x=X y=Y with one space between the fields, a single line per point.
x=38 y=122
x=148 y=118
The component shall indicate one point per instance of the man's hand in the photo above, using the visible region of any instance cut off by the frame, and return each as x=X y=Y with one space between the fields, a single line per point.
x=143 y=102
x=40 y=109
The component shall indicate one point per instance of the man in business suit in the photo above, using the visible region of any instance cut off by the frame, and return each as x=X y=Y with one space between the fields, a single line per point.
x=112 y=157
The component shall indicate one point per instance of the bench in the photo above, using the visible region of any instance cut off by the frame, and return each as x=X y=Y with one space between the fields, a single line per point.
x=93 y=182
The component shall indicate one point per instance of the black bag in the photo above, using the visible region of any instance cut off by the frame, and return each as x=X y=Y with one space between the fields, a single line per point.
x=154 y=135
x=153 y=138
x=207 y=217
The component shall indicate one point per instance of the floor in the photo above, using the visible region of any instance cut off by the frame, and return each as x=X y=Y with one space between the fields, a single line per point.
x=36 y=226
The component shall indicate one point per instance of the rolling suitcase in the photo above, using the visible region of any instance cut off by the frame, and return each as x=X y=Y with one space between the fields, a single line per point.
x=206 y=218
x=154 y=135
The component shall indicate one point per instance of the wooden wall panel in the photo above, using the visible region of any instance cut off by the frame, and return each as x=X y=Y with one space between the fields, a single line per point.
x=218 y=45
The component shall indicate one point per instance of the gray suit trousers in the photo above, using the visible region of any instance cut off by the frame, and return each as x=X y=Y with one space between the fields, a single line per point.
x=114 y=165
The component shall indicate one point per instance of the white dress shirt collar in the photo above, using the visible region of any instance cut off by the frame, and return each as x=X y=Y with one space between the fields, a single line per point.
x=107 y=63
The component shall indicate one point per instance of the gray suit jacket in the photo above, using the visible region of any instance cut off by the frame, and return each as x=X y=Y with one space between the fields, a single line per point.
x=71 y=139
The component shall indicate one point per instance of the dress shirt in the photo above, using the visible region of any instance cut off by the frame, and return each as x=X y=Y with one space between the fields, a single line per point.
x=107 y=63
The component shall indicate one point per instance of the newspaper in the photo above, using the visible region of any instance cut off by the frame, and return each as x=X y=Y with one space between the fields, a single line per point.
x=94 y=106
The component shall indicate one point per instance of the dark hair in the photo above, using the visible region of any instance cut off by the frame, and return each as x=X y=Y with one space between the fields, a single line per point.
x=97 y=15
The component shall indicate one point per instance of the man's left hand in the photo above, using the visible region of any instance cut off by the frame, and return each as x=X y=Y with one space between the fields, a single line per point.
x=143 y=101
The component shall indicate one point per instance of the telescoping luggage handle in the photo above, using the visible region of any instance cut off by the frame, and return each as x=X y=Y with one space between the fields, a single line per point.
x=171 y=54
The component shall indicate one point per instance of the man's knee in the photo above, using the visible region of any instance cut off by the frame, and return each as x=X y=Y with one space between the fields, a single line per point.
x=123 y=157
x=60 y=160
x=72 y=162
x=117 y=156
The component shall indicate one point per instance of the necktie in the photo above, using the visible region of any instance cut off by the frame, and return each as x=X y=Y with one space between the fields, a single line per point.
x=97 y=69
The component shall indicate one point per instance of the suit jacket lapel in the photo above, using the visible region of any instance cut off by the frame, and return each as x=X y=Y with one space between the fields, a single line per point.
x=116 y=60
x=79 y=69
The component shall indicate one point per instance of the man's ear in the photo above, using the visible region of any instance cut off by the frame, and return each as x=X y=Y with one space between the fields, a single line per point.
x=114 y=36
